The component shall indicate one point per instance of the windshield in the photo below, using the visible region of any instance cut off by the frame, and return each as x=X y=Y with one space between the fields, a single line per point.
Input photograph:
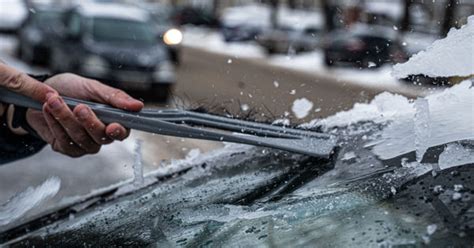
x=46 y=18
x=242 y=123
x=117 y=30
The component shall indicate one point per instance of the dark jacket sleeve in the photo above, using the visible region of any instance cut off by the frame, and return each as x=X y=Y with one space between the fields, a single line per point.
x=13 y=146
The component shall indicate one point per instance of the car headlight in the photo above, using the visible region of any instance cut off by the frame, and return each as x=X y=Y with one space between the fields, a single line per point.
x=95 y=66
x=165 y=72
x=173 y=37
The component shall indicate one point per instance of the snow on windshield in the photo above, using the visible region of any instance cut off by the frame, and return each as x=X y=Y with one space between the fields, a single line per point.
x=27 y=200
x=437 y=119
x=451 y=115
x=452 y=56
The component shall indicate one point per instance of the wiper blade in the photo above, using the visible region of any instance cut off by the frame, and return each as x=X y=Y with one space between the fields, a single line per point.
x=188 y=124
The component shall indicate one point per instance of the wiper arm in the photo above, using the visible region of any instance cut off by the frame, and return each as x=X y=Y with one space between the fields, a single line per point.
x=188 y=124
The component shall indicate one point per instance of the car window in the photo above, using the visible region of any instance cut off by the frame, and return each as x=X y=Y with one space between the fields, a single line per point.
x=46 y=19
x=117 y=30
x=74 y=24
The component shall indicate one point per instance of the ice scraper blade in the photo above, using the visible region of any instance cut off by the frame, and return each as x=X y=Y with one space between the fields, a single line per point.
x=188 y=124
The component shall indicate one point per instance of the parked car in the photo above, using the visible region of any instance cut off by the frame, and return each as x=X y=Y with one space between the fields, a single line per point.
x=171 y=34
x=116 y=44
x=12 y=15
x=363 y=46
x=38 y=32
x=284 y=39
x=195 y=16
x=240 y=32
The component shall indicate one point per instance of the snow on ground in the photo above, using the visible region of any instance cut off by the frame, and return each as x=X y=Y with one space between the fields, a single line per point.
x=213 y=41
x=452 y=56
x=258 y=15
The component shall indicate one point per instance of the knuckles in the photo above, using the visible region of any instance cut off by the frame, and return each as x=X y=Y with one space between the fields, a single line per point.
x=15 y=81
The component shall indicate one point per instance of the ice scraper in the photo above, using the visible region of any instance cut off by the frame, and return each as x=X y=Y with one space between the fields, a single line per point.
x=189 y=124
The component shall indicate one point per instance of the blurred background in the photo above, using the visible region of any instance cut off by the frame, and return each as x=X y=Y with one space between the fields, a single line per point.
x=287 y=60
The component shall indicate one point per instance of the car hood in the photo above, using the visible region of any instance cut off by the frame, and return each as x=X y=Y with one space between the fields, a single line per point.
x=253 y=196
x=129 y=53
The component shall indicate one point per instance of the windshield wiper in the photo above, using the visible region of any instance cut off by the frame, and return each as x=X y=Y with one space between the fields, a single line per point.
x=188 y=124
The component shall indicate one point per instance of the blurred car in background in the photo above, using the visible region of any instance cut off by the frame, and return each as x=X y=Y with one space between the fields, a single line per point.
x=12 y=15
x=240 y=32
x=364 y=46
x=171 y=34
x=286 y=39
x=38 y=32
x=195 y=16
x=118 y=45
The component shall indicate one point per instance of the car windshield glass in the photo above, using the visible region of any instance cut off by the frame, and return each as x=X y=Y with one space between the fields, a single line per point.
x=46 y=18
x=118 y=30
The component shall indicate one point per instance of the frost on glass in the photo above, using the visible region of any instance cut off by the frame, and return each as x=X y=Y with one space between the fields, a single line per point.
x=27 y=200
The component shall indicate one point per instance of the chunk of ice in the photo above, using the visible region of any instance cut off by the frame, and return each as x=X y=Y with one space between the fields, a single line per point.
x=422 y=127
x=430 y=229
x=138 y=179
x=455 y=155
x=301 y=107
x=451 y=119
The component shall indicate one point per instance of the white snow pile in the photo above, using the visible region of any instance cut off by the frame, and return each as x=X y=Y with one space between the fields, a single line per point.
x=451 y=56
x=301 y=107
x=445 y=117
x=258 y=15
x=25 y=201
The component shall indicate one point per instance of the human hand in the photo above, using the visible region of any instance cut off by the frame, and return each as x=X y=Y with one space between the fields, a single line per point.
x=79 y=132
x=19 y=82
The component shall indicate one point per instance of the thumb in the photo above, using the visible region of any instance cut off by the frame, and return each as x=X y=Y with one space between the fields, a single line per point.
x=23 y=84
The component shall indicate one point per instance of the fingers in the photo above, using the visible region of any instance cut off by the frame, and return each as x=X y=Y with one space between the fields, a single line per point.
x=94 y=127
x=114 y=97
x=21 y=83
x=38 y=123
x=61 y=142
x=117 y=132
x=66 y=128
